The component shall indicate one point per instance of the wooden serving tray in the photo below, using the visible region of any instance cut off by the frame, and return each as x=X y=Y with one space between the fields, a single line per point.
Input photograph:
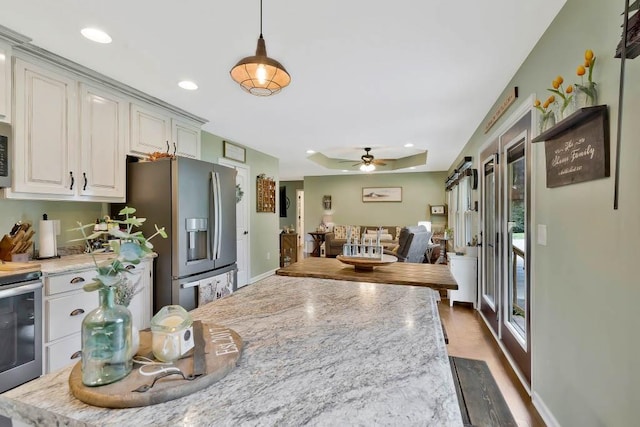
x=223 y=348
x=366 y=264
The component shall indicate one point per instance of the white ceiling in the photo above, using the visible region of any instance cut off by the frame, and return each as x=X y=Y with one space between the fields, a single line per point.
x=364 y=73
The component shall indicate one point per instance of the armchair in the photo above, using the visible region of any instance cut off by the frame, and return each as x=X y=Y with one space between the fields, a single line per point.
x=413 y=242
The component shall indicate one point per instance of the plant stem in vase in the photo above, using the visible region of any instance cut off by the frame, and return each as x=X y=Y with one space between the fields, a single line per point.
x=106 y=342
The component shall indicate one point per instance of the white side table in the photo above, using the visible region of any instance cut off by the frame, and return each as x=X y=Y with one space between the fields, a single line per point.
x=465 y=270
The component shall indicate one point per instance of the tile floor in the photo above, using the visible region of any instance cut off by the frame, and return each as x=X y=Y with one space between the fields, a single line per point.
x=469 y=337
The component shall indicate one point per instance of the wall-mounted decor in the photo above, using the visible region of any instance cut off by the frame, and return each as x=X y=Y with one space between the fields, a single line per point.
x=326 y=202
x=234 y=152
x=509 y=99
x=265 y=194
x=382 y=194
x=438 y=210
x=577 y=148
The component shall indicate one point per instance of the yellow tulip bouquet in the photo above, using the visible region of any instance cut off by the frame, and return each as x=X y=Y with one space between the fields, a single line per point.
x=589 y=90
x=566 y=95
x=548 y=118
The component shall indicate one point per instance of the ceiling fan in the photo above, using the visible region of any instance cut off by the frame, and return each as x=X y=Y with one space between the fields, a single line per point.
x=368 y=162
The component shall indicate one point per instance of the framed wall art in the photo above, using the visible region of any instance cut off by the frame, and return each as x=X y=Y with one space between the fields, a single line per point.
x=234 y=152
x=382 y=194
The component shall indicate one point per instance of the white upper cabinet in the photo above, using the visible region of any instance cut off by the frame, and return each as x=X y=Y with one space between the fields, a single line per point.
x=150 y=130
x=186 y=137
x=104 y=126
x=46 y=146
x=155 y=130
x=5 y=82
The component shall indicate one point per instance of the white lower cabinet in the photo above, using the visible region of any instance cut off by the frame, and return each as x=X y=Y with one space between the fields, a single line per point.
x=62 y=353
x=66 y=305
x=465 y=270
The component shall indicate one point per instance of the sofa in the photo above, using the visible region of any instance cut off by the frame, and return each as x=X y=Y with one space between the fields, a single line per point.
x=335 y=239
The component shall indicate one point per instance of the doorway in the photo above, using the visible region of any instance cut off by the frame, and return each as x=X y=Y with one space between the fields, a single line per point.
x=300 y=219
x=242 y=219
x=505 y=225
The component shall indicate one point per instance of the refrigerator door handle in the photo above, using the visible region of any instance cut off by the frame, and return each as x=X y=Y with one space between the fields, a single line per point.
x=217 y=214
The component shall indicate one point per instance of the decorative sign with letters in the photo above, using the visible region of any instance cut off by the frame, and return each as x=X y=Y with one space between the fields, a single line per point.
x=580 y=151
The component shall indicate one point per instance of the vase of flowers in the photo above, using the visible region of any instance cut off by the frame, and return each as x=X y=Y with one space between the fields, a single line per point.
x=566 y=98
x=547 y=117
x=107 y=337
x=586 y=92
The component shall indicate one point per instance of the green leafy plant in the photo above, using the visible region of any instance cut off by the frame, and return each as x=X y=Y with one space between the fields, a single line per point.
x=128 y=245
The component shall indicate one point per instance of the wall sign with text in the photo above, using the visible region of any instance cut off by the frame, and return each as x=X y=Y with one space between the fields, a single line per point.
x=577 y=148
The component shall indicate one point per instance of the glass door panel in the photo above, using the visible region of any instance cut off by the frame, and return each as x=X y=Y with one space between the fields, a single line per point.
x=490 y=243
x=517 y=304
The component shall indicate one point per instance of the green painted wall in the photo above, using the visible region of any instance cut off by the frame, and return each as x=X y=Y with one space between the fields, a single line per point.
x=419 y=190
x=68 y=213
x=291 y=187
x=264 y=227
x=585 y=283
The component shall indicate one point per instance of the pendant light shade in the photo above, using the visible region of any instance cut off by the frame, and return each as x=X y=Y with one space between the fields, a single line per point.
x=260 y=75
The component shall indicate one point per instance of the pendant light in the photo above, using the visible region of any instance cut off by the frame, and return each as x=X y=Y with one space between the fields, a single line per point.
x=260 y=75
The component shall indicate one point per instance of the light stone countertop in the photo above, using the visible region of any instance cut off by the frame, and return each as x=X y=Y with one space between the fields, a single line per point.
x=68 y=263
x=317 y=352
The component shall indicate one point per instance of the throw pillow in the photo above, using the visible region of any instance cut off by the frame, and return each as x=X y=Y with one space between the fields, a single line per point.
x=340 y=231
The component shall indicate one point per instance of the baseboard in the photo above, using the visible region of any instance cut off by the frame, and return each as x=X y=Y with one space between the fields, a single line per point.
x=262 y=276
x=544 y=411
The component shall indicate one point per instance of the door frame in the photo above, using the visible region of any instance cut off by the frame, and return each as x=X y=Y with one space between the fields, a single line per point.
x=522 y=109
x=247 y=194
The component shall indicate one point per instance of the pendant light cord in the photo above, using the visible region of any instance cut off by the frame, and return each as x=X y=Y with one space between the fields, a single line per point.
x=260 y=18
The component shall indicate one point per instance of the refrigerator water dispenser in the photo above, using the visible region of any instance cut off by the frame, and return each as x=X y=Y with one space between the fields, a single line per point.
x=197 y=234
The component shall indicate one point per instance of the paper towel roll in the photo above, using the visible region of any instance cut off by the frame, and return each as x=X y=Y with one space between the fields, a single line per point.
x=47 y=239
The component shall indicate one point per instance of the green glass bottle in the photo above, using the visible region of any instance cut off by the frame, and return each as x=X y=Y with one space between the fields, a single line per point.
x=106 y=342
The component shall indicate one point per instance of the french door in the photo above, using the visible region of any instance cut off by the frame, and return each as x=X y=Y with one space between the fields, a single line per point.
x=505 y=227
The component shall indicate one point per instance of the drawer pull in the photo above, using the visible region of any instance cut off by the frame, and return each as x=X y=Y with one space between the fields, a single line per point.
x=130 y=267
x=76 y=355
x=77 y=280
x=76 y=312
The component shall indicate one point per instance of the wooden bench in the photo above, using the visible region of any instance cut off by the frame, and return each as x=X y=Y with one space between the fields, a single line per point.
x=481 y=403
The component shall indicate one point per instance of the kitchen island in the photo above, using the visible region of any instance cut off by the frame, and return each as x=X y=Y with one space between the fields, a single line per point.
x=316 y=351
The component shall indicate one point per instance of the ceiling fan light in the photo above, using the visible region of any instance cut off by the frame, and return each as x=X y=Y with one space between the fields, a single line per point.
x=367 y=168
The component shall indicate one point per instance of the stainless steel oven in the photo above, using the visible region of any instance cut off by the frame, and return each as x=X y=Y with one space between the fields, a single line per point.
x=20 y=328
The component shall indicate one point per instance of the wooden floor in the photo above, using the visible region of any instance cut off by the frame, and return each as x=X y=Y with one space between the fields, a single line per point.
x=470 y=338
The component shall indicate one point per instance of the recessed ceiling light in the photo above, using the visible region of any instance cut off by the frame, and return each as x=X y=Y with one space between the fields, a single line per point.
x=310 y=152
x=344 y=170
x=412 y=167
x=96 y=35
x=188 y=85
x=408 y=145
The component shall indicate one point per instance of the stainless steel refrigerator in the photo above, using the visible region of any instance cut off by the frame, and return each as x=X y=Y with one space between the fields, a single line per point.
x=195 y=201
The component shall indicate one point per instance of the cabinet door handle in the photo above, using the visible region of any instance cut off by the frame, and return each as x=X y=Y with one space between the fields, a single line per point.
x=167 y=147
x=72 y=180
x=84 y=175
x=76 y=312
x=77 y=280
x=76 y=355
x=175 y=147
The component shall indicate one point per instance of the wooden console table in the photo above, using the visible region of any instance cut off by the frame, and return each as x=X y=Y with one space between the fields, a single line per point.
x=318 y=240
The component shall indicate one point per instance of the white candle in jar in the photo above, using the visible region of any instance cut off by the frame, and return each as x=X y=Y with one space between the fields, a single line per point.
x=166 y=344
